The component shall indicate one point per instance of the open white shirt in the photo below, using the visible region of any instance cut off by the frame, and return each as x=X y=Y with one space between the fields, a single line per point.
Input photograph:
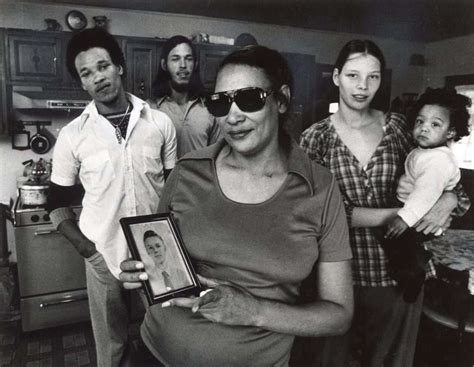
x=120 y=180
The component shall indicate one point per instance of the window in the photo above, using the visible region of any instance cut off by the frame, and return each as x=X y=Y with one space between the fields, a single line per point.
x=464 y=148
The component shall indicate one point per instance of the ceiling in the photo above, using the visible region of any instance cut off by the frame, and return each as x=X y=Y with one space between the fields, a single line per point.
x=416 y=20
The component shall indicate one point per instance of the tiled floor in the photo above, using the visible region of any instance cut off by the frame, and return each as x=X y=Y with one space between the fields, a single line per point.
x=65 y=346
x=73 y=346
x=69 y=346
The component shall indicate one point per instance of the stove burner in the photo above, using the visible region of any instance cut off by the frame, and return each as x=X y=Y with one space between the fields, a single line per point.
x=27 y=215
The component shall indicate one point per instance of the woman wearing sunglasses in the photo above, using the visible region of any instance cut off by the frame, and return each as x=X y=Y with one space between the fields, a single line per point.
x=365 y=149
x=256 y=216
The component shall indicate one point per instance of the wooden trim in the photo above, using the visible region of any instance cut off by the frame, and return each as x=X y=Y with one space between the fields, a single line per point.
x=454 y=80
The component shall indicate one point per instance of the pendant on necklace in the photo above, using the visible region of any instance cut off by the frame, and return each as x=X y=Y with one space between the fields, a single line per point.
x=118 y=134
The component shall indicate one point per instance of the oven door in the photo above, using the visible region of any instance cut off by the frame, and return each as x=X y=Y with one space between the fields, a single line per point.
x=56 y=309
x=47 y=261
x=52 y=278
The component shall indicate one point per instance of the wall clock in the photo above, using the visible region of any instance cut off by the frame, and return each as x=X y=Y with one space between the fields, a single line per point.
x=76 y=20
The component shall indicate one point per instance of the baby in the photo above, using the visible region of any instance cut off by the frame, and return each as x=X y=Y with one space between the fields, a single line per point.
x=430 y=169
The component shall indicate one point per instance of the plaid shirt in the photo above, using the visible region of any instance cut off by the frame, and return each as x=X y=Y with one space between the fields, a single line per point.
x=373 y=186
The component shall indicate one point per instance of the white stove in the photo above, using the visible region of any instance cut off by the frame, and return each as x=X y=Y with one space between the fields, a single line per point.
x=51 y=274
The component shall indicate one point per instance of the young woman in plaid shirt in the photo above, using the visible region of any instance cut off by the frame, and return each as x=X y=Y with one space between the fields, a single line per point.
x=365 y=149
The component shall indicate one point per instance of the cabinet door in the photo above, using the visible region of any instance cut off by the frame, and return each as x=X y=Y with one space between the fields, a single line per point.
x=68 y=81
x=35 y=57
x=141 y=58
x=210 y=57
x=301 y=113
x=3 y=96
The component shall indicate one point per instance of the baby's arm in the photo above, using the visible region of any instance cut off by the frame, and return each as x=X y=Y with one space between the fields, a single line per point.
x=432 y=173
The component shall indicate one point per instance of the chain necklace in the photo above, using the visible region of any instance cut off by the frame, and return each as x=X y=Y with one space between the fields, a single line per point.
x=118 y=133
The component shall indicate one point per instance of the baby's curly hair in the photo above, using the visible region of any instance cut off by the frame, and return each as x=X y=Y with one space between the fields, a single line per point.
x=457 y=105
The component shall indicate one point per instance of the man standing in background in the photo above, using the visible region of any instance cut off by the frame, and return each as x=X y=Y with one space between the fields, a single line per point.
x=178 y=91
x=121 y=151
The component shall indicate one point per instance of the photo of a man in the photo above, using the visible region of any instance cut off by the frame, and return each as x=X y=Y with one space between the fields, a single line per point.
x=167 y=275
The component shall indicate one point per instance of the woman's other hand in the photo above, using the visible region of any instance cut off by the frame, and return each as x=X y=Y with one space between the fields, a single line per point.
x=132 y=274
x=223 y=303
x=438 y=219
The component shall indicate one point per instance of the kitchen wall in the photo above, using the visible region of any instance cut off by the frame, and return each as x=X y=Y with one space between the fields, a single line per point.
x=454 y=56
x=11 y=161
x=324 y=45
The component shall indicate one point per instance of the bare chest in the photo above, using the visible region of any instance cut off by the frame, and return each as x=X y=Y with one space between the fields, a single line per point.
x=247 y=188
x=362 y=143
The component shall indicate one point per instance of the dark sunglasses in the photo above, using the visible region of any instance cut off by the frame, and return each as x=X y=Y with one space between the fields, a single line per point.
x=250 y=99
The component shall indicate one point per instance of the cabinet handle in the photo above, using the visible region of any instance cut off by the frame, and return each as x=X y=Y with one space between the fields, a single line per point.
x=142 y=87
x=45 y=232
x=62 y=301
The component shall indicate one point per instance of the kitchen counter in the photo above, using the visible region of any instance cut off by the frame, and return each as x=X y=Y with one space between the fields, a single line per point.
x=456 y=250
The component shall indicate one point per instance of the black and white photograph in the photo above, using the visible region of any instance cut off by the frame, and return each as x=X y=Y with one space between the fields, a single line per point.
x=154 y=240
x=213 y=183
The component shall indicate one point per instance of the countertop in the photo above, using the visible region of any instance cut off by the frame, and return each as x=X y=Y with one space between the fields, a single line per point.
x=456 y=250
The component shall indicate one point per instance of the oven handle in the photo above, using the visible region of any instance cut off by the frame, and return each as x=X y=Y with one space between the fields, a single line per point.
x=46 y=232
x=63 y=301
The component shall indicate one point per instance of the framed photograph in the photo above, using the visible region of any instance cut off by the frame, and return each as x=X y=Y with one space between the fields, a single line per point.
x=155 y=241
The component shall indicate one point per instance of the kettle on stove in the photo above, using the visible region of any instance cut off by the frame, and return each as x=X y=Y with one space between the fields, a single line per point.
x=39 y=170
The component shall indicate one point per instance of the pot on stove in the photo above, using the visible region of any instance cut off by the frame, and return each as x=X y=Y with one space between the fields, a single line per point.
x=34 y=193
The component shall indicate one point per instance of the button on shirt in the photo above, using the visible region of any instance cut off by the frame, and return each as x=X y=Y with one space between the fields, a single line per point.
x=120 y=180
x=195 y=126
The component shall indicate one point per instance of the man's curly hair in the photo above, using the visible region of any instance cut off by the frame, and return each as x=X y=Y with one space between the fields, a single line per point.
x=91 y=38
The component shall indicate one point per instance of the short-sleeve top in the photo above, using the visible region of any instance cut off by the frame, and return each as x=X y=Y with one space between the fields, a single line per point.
x=120 y=180
x=267 y=248
x=195 y=126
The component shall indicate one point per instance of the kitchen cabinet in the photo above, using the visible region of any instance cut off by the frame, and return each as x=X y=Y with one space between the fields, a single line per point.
x=142 y=58
x=67 y=80
x=210 y=57
x=301 y=111
x=3 y=96
x=35 y=56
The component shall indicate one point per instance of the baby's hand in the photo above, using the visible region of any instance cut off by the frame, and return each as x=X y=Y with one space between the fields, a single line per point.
x=396 y=228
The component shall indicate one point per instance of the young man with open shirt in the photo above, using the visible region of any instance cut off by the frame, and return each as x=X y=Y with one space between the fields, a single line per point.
x=121 y=152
